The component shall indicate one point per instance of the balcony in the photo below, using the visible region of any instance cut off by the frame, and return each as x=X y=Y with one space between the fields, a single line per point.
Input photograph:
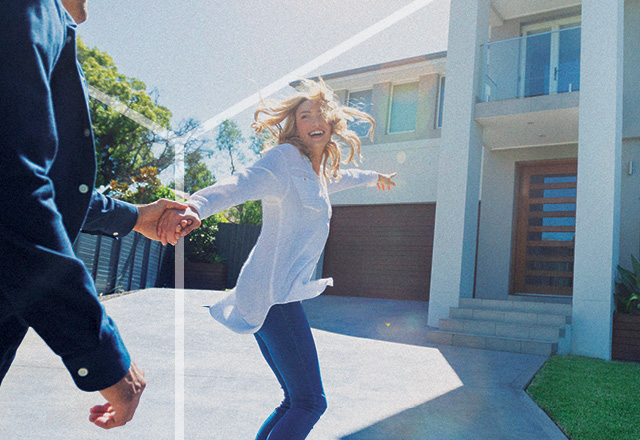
x=528 y=94
x=537 y=64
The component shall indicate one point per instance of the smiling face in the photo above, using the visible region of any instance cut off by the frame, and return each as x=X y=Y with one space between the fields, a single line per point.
x=311 y=127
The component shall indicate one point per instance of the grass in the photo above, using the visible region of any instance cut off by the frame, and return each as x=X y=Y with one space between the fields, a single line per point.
x=590 y=399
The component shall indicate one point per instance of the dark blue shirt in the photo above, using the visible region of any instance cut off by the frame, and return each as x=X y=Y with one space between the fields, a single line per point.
x=47 y=174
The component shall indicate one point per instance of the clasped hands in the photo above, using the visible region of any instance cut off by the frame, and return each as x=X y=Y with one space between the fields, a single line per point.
x=158 y=219
x=177 y=223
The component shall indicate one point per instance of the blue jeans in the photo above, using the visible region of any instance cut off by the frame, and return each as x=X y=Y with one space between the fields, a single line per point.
x=287 y=345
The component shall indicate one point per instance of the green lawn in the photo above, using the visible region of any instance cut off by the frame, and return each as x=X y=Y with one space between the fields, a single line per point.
x=590 y=399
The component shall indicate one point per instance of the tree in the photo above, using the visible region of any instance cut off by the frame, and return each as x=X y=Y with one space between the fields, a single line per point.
x=196 y=174
x=258 y=141
x=229 y=140
x=123 y=147
x=144 y=187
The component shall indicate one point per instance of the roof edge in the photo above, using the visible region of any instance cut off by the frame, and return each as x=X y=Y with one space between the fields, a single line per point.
x=379 y=66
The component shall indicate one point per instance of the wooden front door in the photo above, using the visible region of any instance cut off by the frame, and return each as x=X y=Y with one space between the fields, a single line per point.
x=545 y=227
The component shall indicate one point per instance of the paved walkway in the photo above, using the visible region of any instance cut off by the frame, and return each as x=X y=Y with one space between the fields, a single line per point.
x=382 y=379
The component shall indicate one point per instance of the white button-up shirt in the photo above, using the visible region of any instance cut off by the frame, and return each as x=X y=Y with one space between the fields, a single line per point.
x=295 y=226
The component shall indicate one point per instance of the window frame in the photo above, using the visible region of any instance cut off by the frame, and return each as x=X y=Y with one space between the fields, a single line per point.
x=348 y=99
x=390 y=110
x=440 y=102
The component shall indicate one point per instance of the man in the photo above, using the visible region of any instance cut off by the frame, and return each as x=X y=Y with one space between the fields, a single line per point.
x=47 y=172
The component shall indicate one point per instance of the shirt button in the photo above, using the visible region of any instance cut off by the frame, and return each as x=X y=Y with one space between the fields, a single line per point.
x=115 y=234
x=87 y=132
x=83 y=188
x=82 y=372
x=69 y=39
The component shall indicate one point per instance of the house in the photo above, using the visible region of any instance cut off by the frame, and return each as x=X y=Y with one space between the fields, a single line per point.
x=520 y=182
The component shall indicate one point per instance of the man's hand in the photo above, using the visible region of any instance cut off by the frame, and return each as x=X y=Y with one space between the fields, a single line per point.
x=122 y=400
x=175 y=224
x=148 y=216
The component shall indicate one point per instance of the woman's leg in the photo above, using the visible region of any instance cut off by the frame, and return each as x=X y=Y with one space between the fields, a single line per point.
x=281 y=410
x=286 y=340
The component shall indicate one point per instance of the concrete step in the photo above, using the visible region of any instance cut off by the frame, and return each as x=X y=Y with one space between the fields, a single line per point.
x=542 y=298
x=503 y=329
x=527 y=318
x=516 y=306
x=513 y=345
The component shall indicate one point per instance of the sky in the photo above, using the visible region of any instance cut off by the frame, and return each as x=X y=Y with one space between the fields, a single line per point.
x=203 y=56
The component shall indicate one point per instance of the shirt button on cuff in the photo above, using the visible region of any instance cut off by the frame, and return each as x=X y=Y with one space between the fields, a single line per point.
x=83 y=188
x=82 y=372
x=115 y=234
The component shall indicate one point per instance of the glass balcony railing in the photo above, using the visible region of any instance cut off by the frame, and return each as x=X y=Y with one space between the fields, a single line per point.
x=537 y=64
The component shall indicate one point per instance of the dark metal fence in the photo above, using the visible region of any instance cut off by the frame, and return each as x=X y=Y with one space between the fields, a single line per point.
x=131 y=263
x=234 y=243
x=134 y=262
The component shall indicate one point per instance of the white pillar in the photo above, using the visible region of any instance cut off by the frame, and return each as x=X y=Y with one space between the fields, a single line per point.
x=459 y=162
x=598 y=198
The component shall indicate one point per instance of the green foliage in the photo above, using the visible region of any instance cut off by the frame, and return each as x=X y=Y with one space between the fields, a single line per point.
x=197 y=176
x=627 y=293
x=257 y=142
x=249 y=213
x=200 y=246
x=144 y=187
x=590 y=399
x=229 y=140
x=122 y=145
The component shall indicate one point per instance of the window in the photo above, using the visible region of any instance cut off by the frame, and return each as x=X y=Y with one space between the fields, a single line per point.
x=362 y=101
x=551 y=62
x=440 y=103
x=404 y=106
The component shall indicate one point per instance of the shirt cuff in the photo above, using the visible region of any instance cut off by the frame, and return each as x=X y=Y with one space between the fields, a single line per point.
x=128 y=214
x=199 y=204
x=371 y=178
x=102 y=367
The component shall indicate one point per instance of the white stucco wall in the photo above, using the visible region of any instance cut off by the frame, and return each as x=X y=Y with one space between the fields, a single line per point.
x=416 y=163
x=630 y=203
x=631 y=93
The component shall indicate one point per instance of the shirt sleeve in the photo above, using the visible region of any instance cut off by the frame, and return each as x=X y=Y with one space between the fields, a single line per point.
x=267 y=178
x=109 y=216
x=41 y=280
x=352 y=178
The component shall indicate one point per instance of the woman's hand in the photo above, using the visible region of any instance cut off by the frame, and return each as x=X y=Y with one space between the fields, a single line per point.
x=176 y=223
x=385 y=182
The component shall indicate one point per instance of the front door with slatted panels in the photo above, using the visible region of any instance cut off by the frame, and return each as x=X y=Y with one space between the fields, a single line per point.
x=545 y=227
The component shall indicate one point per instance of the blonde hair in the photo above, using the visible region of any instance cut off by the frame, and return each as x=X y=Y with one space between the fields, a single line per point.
x=273 y=114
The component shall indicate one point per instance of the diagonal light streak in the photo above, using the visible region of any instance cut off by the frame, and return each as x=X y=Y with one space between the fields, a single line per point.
x=270 y=89
x=304 y=70
x=180 y=142
x=130 y=113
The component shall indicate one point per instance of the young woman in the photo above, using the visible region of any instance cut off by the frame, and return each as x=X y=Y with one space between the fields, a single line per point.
x=293 y=179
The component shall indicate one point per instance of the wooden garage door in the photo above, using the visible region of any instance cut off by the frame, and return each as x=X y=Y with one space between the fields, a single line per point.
x=381 y=251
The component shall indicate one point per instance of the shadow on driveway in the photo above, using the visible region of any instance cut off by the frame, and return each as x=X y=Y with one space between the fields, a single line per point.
x=403 y=322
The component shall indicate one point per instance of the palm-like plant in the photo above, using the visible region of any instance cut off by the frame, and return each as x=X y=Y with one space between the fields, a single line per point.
x=628 y=288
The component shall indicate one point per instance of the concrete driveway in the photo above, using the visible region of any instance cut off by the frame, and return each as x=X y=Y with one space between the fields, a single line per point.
x=382 y=379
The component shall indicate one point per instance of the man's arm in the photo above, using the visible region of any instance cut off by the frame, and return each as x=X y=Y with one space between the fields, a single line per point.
x=115 y=218
x=40 y=277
